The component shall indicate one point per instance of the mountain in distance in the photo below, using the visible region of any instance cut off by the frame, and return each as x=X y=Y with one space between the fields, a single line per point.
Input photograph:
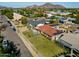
x=47 y=5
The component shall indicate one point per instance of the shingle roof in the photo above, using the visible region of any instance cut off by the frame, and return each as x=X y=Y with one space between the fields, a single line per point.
x=48 y=30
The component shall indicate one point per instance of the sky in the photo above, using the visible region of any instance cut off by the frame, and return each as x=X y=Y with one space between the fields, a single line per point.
x=25 y=4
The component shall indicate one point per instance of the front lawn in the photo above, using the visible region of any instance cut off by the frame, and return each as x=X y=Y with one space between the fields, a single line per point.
x=43 y=45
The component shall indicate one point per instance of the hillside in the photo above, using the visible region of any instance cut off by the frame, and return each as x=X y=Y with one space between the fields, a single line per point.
x=49 y=5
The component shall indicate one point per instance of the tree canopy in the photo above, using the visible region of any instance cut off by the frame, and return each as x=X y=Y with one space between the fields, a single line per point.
x=8 y=13
x=24 y=20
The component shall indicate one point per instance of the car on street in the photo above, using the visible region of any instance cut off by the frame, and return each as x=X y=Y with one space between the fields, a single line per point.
x=13 y=28
x=9 y=23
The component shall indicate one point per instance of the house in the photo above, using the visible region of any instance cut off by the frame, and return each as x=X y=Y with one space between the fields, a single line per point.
x=62 y=20
x=60 y=12
x=48 y=31
x=63 y=13
x=34 y=23
x=49 y=15
x=71 y=19
x=52 y=12
x=16 y=18
x=70 y=40
x=66 y=20
x=67 y=28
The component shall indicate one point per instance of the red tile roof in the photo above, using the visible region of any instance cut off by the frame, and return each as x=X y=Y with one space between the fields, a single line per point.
x=48 y=30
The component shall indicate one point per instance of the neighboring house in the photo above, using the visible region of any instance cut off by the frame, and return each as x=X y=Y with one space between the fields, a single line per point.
x=53 y=12
x=60 y=12
x=48 y=31
x=71 y=19
x=63 y=13
x=34 y=23
x=62 y=20
x=49 y=15
x=68 y=28
x=70 y=40
x=66 y=20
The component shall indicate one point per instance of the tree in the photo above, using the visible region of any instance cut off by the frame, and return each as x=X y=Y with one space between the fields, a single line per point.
x=8 y=13
x=11 y=49
x=53 y=17
x=51 y=21
x=24 y=20
x=76 y=21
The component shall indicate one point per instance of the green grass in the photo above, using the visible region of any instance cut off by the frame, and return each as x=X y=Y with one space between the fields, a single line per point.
x=43 y=45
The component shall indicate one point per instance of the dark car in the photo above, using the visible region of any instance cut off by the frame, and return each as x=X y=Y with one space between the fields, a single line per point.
x=9 y=23
x=14 y=29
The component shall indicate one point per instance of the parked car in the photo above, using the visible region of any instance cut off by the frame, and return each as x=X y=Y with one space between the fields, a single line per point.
x=14 y=29
x=77 y=32
x=9 y=23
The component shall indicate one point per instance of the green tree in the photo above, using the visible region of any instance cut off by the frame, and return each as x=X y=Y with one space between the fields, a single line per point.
x=53 y=17
x=76 y=21
x=8 y=13
x=24 y=20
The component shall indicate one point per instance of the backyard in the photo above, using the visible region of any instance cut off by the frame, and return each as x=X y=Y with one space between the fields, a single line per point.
x=43 y=45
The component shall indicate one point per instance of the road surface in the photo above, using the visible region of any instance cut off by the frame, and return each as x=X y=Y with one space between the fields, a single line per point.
x=12 y=36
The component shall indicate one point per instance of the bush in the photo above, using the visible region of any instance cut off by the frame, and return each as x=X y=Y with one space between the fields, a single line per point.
x=1 y=40
x=23 y=20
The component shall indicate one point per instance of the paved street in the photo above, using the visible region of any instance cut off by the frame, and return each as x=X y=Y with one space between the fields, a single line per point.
x=12 y=36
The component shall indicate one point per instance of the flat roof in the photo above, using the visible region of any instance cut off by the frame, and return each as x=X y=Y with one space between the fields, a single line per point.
x=72 y=39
